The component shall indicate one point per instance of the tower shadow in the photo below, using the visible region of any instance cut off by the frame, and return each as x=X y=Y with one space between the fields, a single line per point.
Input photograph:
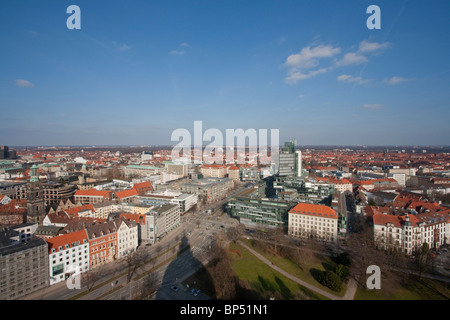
x=184 y=265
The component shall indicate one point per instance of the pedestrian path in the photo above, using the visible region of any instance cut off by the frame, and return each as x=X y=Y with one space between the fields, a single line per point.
x=351 y=286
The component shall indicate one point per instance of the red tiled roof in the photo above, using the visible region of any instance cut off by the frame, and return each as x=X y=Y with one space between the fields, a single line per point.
x=68 y=238
x=314 y=210
x=142 y=187
x=397 y=221
x=126 y=193
x=75 y=210
x=138 y=218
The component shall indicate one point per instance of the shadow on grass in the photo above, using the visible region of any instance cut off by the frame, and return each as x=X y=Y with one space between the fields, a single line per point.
x=423 y=288
x=316 y=273
x=327 y=266
x=285 y=292
x=265 y=285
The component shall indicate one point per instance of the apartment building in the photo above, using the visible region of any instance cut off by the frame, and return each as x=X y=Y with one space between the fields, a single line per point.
x=127 y=237
x=213 y=170
x=68 y=255
x=23 y=266
x=92 y=196
x=233 y=173
x=102 y=239
x=409 y=232
x=312 y=220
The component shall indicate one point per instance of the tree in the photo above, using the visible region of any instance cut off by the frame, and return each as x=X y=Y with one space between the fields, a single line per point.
x=133 y=261
x=235 y=233
x=222 y=274
x=343 y=259
x=331 y=280
x=421 y=258
x=89 y=278
x=148 y=287
x=363 y=253
x=342 y=272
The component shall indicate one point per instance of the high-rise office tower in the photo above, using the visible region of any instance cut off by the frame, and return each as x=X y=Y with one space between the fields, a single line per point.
x=289 y=160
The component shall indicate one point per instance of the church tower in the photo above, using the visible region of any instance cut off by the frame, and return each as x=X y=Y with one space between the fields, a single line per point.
x=35 y=198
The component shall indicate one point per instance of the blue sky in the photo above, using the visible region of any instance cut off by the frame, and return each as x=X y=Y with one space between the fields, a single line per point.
x=137 y=70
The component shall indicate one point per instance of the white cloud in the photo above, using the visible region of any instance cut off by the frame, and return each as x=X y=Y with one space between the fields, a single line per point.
x=124 y=47
x=177 y=52
x=180 y=52
x=307 y=57
x=373 y=106
x=366 y=46
x=23 y=83
x=350 y=59
x=358 y=57
x=395 y=80
x=297 y=75
x=352 y=79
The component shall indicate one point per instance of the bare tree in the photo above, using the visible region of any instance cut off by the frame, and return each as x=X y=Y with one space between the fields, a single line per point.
x=422 y=258
x=148 y=287
x=134 y=260
x=234 y=233
x=222 y=274
x=89 y=278
x=363 y=253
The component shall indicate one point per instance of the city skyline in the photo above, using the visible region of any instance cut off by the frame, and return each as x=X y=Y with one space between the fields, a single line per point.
x=134 y=74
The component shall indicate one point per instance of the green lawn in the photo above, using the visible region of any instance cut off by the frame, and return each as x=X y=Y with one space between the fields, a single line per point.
x=406 y=288
x=307 y=269
x=264 y=279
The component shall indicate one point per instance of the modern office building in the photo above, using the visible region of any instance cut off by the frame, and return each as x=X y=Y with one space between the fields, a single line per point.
x=185 y=201
x=259 y=212
x=209 y=189
x=55 y=192
x=6 y=153
x=307 y=190
x=289 y=160
x=160 y=221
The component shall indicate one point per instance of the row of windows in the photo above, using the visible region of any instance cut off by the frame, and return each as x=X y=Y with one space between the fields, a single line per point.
x=73 y=256
x=66 y=251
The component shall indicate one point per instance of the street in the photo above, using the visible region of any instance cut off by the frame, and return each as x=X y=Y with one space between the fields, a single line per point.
x=196 y=232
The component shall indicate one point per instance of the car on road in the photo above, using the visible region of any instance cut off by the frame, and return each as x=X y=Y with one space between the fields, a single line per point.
x=174 y=288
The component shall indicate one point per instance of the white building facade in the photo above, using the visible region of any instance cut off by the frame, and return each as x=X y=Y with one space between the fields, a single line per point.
x=310 y=220
x=68 y=255
x=127 y=237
